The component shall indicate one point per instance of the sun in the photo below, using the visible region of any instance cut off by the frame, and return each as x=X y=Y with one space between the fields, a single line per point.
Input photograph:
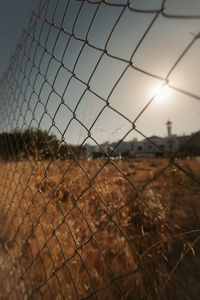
x=161 y=93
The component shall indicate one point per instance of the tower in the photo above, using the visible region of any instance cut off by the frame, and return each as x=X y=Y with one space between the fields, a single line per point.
x=169 y=128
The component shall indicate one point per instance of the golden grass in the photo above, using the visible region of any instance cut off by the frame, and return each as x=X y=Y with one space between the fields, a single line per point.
x=98 y=230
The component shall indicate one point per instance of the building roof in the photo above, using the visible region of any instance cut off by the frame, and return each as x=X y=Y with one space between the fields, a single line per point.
x=154 y=137
x=169 y=122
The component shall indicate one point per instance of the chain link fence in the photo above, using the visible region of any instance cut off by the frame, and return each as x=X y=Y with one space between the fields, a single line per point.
x=79 y=218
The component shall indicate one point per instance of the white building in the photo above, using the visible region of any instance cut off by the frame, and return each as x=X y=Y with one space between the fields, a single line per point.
x=153 y=146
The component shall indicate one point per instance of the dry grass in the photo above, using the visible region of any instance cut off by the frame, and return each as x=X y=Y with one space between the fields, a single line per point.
x=99 y=230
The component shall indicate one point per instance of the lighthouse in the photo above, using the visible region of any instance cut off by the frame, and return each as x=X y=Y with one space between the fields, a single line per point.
x=169 y=128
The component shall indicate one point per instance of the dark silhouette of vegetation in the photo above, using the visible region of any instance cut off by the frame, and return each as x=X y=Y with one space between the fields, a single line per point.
x=189 y=145
x=37 y=144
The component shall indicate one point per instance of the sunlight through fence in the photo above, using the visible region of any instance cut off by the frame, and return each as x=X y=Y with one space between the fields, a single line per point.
x=94 y=205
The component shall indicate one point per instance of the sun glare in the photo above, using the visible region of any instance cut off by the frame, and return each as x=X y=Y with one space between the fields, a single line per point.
x=161 y=93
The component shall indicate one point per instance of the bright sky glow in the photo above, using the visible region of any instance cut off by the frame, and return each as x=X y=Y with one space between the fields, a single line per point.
x=162 y=93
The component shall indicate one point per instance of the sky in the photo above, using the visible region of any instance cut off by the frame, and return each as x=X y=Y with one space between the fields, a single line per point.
x=14 y=17
x=71 y=99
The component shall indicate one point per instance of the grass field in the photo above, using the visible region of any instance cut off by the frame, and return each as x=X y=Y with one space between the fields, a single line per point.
x=126 y=229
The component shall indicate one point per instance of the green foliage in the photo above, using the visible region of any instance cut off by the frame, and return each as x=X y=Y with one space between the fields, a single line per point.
x=37 y=144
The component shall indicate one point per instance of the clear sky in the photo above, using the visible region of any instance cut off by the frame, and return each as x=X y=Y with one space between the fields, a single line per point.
x=14 y=17
x=118 y=31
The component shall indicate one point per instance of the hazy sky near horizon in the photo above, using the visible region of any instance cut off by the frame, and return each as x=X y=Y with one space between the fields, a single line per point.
x=157 y=53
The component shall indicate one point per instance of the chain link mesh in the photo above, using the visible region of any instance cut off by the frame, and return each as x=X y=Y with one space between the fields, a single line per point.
x=73 y=227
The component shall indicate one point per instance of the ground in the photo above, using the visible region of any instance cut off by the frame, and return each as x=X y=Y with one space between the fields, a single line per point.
x=126 y=229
